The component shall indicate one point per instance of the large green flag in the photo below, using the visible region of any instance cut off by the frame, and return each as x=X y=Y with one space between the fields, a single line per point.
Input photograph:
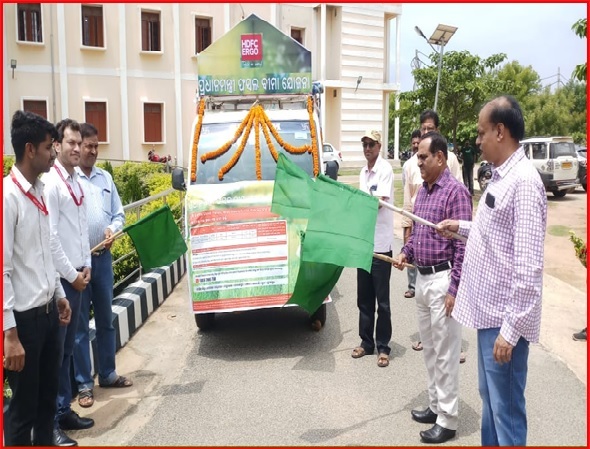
x=341 y=225
x=157 y=239
x=327 y=246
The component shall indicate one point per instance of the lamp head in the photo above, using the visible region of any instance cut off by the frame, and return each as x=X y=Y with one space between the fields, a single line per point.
x=13 y=63
x=419 y=31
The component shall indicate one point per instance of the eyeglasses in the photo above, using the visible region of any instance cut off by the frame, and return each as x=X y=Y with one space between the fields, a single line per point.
x=369 y=144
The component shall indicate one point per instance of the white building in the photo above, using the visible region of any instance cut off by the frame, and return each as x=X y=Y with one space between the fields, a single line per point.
x=131 y=69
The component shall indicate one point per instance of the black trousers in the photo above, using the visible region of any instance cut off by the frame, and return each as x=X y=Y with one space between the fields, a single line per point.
x=34 y=389
x=373 y=288
x=468 y=177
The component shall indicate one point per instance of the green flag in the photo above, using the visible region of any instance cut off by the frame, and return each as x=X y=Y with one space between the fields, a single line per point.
x=157 y=239
x=314 y=283
x=291 y=192
x=340 y=229
x=341 y=225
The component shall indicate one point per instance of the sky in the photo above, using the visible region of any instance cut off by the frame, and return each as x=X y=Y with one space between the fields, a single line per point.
x=535 y=34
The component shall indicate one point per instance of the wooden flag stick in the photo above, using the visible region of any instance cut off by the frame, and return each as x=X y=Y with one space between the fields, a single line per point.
x=101 y=244
x=390 y=260
x=418 y=219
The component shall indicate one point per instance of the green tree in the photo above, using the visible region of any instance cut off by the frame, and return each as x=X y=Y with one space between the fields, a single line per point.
x=559 y=113
x=467 y=81
x=519 y=81
x=581 y=29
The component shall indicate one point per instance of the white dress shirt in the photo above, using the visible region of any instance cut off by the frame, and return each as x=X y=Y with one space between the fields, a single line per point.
x=69 y=227
x=30 y=278
x=454 y=166
x=413 y=183
x=379 y=182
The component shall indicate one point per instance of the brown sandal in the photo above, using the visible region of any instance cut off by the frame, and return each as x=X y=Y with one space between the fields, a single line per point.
x=86 y=398
x=417 y=346
x=121 y=382
x=409 y=294
x=358 y=352
x=383 y=360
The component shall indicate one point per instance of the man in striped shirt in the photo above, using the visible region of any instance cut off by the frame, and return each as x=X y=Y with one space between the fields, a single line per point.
x=501 y=284
x=438 y=262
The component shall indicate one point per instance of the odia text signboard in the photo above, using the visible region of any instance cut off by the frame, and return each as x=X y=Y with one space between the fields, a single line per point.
x=254 y=57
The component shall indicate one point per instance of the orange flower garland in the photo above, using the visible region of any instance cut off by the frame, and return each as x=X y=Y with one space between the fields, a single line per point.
x=200 y=112
x=314 y=137
x=256 y=117
x=257 y=154
x=236 y=156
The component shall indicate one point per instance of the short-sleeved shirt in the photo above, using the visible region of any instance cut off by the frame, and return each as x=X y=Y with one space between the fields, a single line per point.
x=379 y=182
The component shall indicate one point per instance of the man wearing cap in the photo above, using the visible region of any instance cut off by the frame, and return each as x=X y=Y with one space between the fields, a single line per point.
x=376 y=179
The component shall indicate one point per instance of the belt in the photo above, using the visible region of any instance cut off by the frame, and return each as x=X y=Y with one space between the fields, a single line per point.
x=99 y=252
x=435 y=268
x=43 y=310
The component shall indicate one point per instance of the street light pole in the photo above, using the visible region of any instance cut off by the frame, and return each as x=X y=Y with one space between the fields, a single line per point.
x=440 y=58
x=440 y=37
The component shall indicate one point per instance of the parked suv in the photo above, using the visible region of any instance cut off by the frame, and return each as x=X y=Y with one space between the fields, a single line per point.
x=556 y=160
x=582 y=165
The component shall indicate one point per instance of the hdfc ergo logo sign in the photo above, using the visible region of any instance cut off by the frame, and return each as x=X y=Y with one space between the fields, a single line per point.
x=251 y=54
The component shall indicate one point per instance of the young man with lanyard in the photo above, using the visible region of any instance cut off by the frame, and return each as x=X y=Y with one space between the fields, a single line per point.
x=35 y=303
x=105 y=218
x=438 y=262
x=71 y=254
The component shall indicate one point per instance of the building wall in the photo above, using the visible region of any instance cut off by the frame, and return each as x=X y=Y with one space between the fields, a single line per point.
x=66 y=74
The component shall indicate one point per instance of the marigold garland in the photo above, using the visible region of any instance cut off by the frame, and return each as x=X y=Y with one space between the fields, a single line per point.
x=257 y=154
x=236 y=156
x=200 y=112
x=314 y=137
x=256 y=117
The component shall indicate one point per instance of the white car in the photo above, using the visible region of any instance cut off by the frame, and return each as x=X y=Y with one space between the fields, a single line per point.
x=331 y=155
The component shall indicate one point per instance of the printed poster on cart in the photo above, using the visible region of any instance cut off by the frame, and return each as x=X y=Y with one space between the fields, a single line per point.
x=241 y=255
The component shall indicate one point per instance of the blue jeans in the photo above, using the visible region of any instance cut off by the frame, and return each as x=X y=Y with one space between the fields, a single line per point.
x=501 y=387
x=100 y=292
x=66 y=341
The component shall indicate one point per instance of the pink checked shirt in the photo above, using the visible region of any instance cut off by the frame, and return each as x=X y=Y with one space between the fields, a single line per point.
x=502 y=277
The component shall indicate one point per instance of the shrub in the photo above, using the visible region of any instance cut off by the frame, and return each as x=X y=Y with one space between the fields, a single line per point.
x=7 y=163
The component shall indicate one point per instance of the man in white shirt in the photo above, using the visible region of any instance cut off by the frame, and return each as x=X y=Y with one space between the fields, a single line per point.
x=412 y=181
x=71 y=254
x=376 y=178
x=34 y=300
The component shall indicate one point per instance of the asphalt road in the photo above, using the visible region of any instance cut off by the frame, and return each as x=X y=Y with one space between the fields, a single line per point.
x=265 y=378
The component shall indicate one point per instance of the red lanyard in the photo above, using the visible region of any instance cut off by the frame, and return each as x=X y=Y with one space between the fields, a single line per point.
x=40 y=204
x=76 y=201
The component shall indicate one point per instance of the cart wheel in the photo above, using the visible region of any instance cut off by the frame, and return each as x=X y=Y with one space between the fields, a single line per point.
x=205 y=321
x=318 y=319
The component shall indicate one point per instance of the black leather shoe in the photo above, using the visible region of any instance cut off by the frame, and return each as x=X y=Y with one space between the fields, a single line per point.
x=437 y=435
x=61 y=439
x=72 y=421
x=424 y=416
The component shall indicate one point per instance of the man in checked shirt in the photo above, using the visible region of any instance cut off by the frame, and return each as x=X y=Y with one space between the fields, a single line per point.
x=502 y=280
x=438 y=262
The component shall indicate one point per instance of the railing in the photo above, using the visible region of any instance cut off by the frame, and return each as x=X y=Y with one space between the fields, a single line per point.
x=136 y=206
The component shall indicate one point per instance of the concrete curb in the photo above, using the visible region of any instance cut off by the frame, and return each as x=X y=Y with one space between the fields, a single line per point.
x=137 y=302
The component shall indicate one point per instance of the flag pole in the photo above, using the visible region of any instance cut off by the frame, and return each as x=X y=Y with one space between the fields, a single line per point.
x=418 y=219
x=391 y=260
x=112 y=237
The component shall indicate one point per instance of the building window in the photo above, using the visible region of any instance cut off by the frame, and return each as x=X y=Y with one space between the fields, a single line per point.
x=150 y=31
x=96 y=113
x=152 y=122
x=202 y=34
x=92 y=28
x=298 y=34
x=39 y=107
x=29 y=22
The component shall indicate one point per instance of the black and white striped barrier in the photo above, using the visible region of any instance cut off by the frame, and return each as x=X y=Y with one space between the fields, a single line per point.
x=135 y=304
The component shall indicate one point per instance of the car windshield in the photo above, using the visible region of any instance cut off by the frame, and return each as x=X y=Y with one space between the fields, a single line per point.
x=327 y=149
x=562 y=149
x=582 y=153
x=215 y=135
